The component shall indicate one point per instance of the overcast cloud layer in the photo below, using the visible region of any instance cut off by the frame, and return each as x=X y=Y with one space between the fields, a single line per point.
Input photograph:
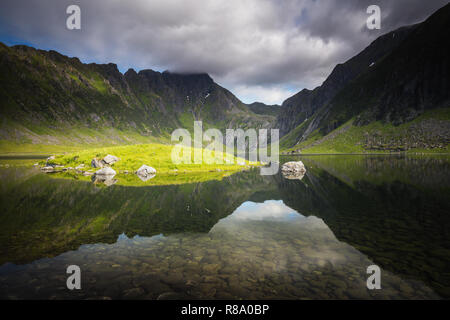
x=262 y=50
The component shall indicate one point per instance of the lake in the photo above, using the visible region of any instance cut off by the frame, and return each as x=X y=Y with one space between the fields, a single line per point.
x=246 y=236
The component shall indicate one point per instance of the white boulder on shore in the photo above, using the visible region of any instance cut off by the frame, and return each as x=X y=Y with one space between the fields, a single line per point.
x=106 y=161
x=146 y=172
x=107 y=171
x=110 y=159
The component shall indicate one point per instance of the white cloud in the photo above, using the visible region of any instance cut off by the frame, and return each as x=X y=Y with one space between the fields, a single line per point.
x=267 y=94
x=268 y=210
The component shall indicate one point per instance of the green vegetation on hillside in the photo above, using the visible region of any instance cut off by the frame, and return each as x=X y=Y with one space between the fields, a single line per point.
x=427 y=133
x=58 y=100
x=391 y=97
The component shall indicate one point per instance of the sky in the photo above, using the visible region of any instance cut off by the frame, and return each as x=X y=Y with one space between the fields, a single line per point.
x=261 y=50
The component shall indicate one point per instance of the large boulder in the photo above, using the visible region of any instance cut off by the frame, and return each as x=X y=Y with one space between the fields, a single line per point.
x=102 y=179
x=95 y=163
x=105 y=172
x=293 y=170
x=110 y=159
x=146 y=172
x=293 y=176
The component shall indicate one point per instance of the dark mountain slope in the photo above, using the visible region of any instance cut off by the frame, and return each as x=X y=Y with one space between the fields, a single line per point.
x=261 y=108
x=413 y=78
x=46 y=97
x=411 y=81
x=304 y=104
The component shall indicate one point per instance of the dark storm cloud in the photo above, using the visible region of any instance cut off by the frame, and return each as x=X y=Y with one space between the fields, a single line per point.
x=260 y=49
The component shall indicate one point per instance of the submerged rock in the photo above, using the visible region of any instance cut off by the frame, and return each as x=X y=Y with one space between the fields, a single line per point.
x=105 y=172
x=48 y=169
x=133 y=293
x=293 y=170
x=171 y=296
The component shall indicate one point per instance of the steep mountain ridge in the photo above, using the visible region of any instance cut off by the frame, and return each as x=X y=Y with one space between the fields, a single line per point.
x=409 y=81
x=46 y=97
x=305 y=103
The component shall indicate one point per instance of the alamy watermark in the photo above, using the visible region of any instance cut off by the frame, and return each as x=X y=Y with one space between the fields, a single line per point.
x=374 y=20
x=374 y=280
x=73 y=21
x=74 y=280
x=236 y=142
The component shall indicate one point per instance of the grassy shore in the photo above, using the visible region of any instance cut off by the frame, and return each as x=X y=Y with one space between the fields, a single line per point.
x=158 y=156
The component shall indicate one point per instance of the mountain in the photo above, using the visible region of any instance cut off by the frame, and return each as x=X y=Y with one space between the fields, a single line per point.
x=305 y=103
x=49 y=98
x=394 y=95
x=261 y=108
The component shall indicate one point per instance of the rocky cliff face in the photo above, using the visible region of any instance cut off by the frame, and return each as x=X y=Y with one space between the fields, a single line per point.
x=301 y=106
x=397 y=78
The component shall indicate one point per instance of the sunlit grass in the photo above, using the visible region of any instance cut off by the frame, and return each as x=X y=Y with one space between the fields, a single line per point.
x=158 y=156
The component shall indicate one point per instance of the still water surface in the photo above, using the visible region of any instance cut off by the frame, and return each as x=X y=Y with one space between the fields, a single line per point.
x=247 y=236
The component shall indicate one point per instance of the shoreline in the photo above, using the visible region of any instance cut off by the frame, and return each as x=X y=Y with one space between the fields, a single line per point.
x=366 y=154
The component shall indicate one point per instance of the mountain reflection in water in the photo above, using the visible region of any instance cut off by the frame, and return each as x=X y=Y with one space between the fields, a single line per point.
x=230 y=239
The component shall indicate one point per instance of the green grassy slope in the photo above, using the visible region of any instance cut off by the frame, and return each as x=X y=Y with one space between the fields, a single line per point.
x=429 y=132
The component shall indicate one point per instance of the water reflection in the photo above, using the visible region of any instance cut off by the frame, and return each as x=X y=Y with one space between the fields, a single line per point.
x=230 y=238
x=261 y=251
x=271 y=210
